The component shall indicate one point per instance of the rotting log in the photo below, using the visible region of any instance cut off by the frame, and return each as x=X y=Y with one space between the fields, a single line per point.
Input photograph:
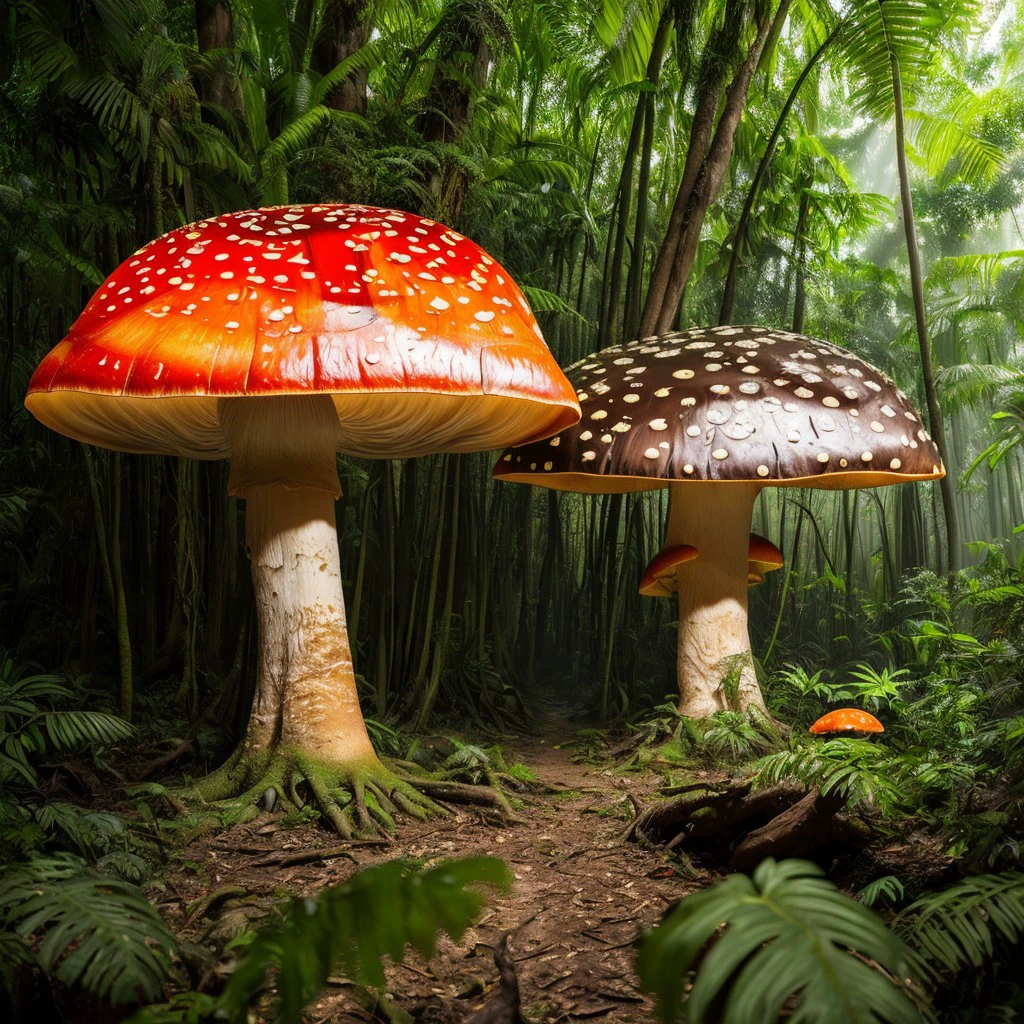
x=807 y=824
x=784 y=820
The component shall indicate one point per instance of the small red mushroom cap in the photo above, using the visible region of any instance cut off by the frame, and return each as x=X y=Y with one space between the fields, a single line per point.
x=763 y=556
x=423 y=341
x=659 y=578
x=846 y=720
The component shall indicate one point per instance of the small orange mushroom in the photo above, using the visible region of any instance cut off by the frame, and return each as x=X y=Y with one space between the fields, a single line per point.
x=763 y=557
x=659 y=579
x=846 y=720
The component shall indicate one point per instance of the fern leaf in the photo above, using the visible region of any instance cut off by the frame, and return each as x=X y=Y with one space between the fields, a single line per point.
x=960 y=926
x=758 y=943
x=353 y=927
x=70 y=729
x=96 y=933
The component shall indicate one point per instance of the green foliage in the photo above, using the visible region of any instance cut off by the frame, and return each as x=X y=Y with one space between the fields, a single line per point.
x=966 y=926
x=859 y=771
x=93 y=932
x=888 y=888
x=732 y=736
x=32 y=725
x=754 y=944
x=352 y=928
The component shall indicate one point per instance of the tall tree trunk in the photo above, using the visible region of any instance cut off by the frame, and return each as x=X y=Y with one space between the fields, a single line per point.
x=800 y=255
x=682 y=245
x=709 y=96
x=606 y=330
x=740 y=236
x=923 y=344
x=449 y=105
x=701 y=130
x=636 y=265
x=345 y=30
x=215 y=31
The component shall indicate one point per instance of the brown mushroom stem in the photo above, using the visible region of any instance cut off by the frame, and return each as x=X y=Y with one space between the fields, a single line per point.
x=714 y=663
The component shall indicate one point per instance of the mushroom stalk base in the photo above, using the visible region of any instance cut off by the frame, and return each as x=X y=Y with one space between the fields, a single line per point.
x=306 y=690
x=715 y=666
x=306 y=738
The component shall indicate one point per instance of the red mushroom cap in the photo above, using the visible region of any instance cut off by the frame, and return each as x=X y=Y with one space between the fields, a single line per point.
x=424 y=341
x=846 y=720
x=659 y=578
x=763 y=556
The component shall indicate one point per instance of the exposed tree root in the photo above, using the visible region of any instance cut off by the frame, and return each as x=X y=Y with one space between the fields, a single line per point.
x=746 y=825
x=355 y=799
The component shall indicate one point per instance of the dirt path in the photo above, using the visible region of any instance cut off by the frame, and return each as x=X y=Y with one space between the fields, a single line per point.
x=572 y=917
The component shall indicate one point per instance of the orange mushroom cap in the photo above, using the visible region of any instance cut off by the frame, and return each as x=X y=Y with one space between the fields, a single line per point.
x=423 y=341
x=763 y=556
x=846 y=720
x=659 y=578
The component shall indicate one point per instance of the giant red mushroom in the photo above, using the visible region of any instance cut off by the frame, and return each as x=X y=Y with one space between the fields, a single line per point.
x=716 y=415
x=278 y=338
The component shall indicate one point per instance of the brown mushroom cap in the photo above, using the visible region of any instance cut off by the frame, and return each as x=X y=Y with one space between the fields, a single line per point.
x=730 y=404
x=763 y=556
x=659 y=578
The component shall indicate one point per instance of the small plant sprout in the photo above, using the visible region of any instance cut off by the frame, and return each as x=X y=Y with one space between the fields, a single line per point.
x=716 y=415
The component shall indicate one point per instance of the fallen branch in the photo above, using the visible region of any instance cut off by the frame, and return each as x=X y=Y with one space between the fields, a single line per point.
x=810 y=822
x=202 y=906
x=287 y=860
x=504 y=1008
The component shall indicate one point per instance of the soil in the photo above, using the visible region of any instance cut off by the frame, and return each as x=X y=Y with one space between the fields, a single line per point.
x=580 y=898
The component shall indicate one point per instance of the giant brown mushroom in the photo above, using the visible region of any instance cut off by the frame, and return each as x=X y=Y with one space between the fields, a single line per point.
x=716 y=415
x=278 y=338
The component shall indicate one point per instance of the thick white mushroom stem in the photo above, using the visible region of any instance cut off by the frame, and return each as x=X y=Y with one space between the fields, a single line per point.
x=306 y=690
x=306 y=728
x=715 y=667
x=284 y=464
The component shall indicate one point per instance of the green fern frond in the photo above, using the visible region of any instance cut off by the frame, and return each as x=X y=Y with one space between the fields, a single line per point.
x=960 y=927
x=353 y=927
x=542 y=301
x=95 y=933
x=68 y=730
x=296 y=136
x=856 y=770
x=888 y=888
x=757 y=944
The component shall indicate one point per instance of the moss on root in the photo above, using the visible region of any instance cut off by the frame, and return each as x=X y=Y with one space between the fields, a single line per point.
x=356 y=799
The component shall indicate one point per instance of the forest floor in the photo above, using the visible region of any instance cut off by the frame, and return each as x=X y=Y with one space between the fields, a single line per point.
x=579 y=900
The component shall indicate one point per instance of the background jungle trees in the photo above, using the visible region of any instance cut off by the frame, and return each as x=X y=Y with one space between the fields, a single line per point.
x=606 y=154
